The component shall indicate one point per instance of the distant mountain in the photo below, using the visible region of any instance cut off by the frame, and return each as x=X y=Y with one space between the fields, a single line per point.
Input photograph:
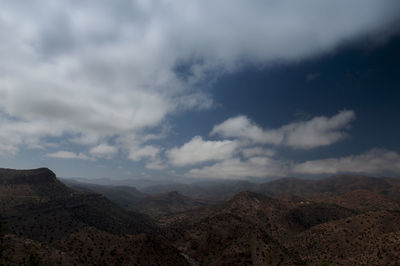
x=130 y=182
x=169 y=203
x=363 y=200
x=215 y=190
x=331 y=186
x=154 y=205
x=335 y=185
x=121 y=195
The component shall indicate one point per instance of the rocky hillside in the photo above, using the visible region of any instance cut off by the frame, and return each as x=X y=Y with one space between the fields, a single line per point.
x=352 y=228
x=42 y=214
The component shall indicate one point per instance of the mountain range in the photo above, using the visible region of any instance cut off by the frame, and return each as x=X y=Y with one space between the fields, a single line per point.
x=339 y=220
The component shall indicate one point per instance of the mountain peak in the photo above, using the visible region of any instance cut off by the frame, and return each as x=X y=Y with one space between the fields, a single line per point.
x=32 y=176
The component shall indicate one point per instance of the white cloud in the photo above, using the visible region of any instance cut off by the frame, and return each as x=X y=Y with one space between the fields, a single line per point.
x=68 y=155
x=242 y=127
x=148 y=151
x=16 y=133
x=319 y=131
x=156 y=164
x=90 y=70
x=103 y=150
x=237 y=169
x=257 y=151
x=375 y=161
x=197 y=151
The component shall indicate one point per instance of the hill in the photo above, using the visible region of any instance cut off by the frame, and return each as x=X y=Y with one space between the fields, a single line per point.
x=37 y=207
x=330 y=186
x=313 y=222
x=166 y=204
x=121 y=195
x=211 y=190
x=249 y=229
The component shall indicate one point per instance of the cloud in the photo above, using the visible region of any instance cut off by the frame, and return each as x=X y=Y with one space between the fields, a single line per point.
x=156 y=164
x=148 y=151
x=16 y=133
x=319 y=131
x=237 y=169
x=257 y=151
x=93 y=70
x=375 y=161
x=103 y=150
x=68 y=155
x=258 y=160
x=197 y=151
x=135 y=149
x=242 y=127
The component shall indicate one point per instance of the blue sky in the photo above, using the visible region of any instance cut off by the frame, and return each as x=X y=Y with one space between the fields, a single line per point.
x=187 y=90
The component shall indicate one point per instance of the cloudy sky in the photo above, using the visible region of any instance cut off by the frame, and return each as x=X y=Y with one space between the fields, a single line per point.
x=200 y=89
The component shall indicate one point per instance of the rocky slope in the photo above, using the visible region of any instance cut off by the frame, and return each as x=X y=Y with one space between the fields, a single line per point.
x=252 y=229
x=39 y=210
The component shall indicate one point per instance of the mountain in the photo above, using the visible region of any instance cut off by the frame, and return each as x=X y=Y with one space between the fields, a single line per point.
x=333 y=185
x=370 y=238
x=340 y=220
x=35 y=202
x=121 y=195
x=232 y=234
x=130 y=198
x=249 y=229
x=37 y=207
x=128 y=182
x=213 y=190
x=363 y=200
x=16 y=250
x=169 y=203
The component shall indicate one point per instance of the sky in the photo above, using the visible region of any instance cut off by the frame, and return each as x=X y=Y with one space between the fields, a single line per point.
x=190 y=90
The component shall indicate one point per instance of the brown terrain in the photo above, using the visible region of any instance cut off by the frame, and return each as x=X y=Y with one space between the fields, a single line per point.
x=340 y=220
